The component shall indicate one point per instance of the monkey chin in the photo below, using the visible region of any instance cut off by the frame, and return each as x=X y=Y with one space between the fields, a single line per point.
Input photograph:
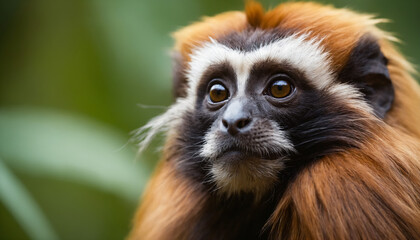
x=235 y=172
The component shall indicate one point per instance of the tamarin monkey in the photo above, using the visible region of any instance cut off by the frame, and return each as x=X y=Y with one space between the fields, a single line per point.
x=302 y=122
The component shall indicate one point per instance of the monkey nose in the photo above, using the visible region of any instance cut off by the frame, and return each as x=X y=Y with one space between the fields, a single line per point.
x=236 y=125
x=237 y=117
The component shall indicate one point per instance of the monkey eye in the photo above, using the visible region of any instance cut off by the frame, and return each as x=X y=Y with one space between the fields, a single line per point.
x=218 y=93
x=280 y=86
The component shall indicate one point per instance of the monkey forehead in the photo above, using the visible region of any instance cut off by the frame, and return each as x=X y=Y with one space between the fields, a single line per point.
x=302 y=53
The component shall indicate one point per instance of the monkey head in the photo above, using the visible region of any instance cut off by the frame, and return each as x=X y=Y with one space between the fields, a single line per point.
x=257 y=104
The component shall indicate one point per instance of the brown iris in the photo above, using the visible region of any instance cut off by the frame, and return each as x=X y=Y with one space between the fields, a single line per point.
x=280 y=89
x=218 y=93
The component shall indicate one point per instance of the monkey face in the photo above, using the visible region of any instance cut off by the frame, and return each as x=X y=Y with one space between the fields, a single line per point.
x=260 y=104
x=246 y=145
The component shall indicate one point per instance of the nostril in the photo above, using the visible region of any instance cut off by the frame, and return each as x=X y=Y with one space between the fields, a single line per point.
x=243 y=122
x=225 y=123
x=235 y=126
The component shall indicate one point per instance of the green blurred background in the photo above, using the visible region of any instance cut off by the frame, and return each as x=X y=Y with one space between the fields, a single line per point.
x=72 y=76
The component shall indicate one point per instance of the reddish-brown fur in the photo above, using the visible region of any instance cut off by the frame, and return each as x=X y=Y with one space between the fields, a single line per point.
x=367 y=193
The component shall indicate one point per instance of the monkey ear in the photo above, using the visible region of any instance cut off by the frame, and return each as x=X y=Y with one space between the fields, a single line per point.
x=367 y=70
x=178 y=75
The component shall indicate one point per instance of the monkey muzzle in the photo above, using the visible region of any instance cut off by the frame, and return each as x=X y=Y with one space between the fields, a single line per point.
x=240 y=133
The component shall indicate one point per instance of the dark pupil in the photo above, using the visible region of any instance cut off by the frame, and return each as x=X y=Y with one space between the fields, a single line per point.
x=218 y=93
x=279 y=87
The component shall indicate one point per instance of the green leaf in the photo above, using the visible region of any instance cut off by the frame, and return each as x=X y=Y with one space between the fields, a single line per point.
x=64 y=146
x=21 y=205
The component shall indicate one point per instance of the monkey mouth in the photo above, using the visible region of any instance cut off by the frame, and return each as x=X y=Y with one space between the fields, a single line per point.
x=238 y=154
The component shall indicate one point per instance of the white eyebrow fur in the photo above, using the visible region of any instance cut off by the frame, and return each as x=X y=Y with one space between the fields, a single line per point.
x=307 y=56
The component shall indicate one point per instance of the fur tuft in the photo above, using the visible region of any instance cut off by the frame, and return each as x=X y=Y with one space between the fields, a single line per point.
x=160 y=124
x=254 y=12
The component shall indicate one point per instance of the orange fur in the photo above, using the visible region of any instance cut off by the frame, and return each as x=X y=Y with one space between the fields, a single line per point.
x=211 y=27
x=372 y=192
x=169 y=204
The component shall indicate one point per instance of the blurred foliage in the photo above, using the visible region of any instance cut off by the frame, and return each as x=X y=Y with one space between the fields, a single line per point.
x=72 y=74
